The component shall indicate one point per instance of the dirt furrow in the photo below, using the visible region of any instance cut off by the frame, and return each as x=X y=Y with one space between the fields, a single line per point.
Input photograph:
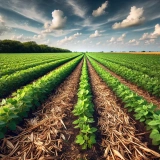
x=44 y=135
x=135 y=88
x=118 y=131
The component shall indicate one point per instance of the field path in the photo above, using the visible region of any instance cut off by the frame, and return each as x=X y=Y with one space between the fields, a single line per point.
x=42 y=137
x=118 y=132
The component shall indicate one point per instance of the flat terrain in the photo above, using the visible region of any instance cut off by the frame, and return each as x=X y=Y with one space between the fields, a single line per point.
x=55 y=104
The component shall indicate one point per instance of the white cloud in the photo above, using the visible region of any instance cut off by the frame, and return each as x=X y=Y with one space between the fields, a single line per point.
x=3 y=27
x=121 y=38
x=153 y=35
x=101 y=10
x=156 y=32
x=150 y=41
x=77 y=9
x=144 y=36
x=112 y=39
x=134 y=18
x=85 y=40
x=98 y=43
x=142 y=29
x=21 y=38
x=25 y=9
x=58 y=22
x=1 y=19
x=68 y=39
x=94 y=35
x=39 y=36
x=133 y=42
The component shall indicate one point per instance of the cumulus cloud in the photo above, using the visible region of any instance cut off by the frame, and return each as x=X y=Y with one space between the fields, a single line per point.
x=153 y=35
x=112 y=39
x=21 y=38
x=95 y=34
x=68 y=39
x=156 y=32
x=121 y=38
x=39 y=36
x=133 y=42
x=3 y=27
x=58 y=22
x=134 y=18
x=101 y=10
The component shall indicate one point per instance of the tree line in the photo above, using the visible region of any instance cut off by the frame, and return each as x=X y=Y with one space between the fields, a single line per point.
x=12 y=46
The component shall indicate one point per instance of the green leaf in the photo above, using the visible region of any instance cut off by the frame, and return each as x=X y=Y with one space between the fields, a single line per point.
x=76 y=122
x=12 y=125
x=80 y=140
x=93 y=139
x=93 y=129
x=154 y=122
x=1 y=135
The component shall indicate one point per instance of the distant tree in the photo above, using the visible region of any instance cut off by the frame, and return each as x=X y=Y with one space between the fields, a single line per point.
x=11 y=46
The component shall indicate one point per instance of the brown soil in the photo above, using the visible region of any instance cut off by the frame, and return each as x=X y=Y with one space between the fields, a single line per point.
x=133 y=87
x=44 y=135
x=118 y=130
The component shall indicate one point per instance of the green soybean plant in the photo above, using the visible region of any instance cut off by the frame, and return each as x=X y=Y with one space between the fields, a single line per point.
x=84 y=112
x=144 y=112
x=13 y=109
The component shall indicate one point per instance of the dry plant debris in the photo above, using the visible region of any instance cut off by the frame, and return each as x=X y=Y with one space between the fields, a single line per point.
x=41 y=139
x=117 y=129
x=135 y=88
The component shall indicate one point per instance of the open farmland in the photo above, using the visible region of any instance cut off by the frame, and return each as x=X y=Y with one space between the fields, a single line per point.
x=92 y=106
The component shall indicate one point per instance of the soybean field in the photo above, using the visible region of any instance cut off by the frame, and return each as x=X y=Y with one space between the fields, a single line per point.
x=79 y=106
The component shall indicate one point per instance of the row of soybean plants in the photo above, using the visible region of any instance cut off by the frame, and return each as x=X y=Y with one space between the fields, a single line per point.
x=150 y=84
x=129 y=61
x=144 y=111
x=13 y=109
x=150 y=61
x=84 y=110
x=12 y=65
x=10 y=83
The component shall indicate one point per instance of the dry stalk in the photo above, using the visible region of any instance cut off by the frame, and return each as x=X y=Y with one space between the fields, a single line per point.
x=118 y=130
x=41 y=139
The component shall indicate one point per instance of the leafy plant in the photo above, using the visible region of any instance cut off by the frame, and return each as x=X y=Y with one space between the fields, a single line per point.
x=12 y=110
x=144 y=111
x=84 y=110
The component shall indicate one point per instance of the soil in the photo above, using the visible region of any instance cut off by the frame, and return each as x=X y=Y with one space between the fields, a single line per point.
x=118 y=130
x=42 y=137
x=50 y=134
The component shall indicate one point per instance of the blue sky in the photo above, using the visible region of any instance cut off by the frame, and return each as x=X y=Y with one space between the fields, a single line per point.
x=83 y=25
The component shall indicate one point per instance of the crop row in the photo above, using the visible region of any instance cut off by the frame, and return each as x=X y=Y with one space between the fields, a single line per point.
x=25 y=65
x=10 y=83
x=150 y=84
x=12 y=110
x=150 y=61
x=144 y=111
x=84 y=112
x=13 y=69
x=150 y=71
